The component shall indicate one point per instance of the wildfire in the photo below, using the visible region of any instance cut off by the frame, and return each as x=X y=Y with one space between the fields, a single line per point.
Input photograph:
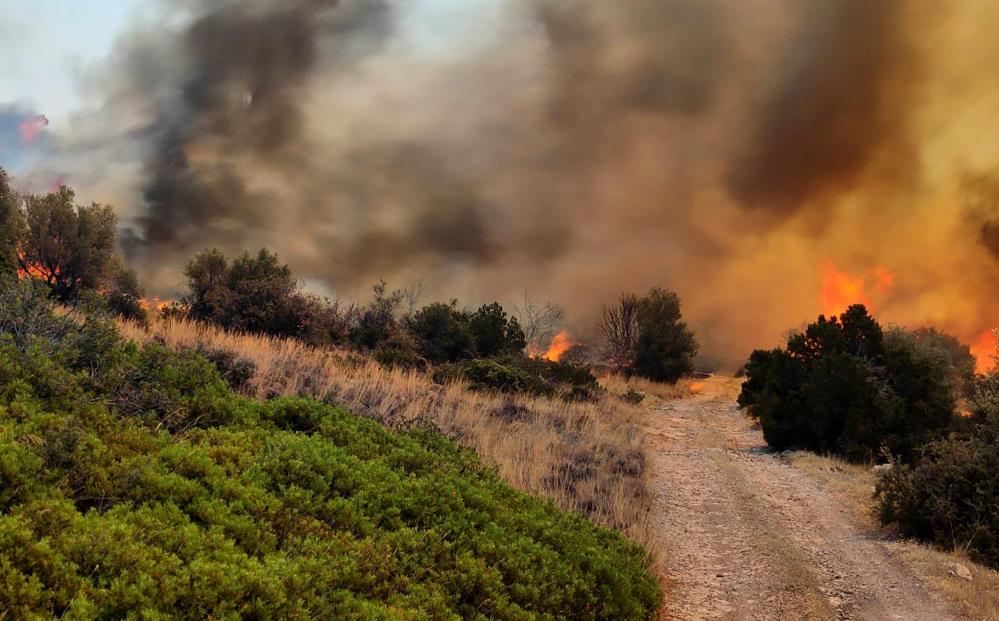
x=153 y=304
x=26 y=269
x=30 y=128
x=984 y=350
x=560 y=344
x=840 y=289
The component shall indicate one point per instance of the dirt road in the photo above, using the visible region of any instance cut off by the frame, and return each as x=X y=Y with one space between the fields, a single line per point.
x=750 y=537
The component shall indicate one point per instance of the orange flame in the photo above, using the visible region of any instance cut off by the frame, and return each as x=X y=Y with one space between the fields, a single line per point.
x=840 y=288
x=30 y=128
x=560 y=344
x=984 y=351
x=154 y=304
x=32 y=270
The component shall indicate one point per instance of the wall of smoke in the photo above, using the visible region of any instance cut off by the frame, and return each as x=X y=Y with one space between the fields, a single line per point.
x=574 y=149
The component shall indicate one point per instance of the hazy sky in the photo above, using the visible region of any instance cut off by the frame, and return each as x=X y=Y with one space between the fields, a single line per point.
x=44 y=44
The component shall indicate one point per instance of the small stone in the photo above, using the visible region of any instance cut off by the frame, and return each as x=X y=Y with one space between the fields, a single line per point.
x=960 y=571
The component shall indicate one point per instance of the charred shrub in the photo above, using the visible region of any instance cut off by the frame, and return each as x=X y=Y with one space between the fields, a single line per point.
x=845 y=386
x=512 y=411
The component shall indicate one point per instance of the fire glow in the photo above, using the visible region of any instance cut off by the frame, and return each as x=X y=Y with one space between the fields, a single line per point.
x=26 y=269
x=153 y=304
x=840 y=288
x=984 y=351
x=30 y=128
x=560 y=344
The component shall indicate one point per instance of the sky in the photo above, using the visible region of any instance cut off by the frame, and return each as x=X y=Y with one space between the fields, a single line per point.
x=46 y=44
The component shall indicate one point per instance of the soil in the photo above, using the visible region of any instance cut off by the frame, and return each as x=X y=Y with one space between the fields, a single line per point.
x=748 y=536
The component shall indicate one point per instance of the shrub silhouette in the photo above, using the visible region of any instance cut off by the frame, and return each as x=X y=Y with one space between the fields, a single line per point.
x=844 y=386
x=442 y=333
x=647 y=336
x=258 y=294
x=950 y=494
x=494 y=332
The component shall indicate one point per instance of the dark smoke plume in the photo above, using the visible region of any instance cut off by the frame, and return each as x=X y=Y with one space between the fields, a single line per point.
x=837 y=110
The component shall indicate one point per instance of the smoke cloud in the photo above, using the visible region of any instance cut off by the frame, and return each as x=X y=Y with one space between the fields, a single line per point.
x=727 y=150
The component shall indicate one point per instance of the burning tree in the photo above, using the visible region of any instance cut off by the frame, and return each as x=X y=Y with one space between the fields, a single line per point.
x=539 y=321
x=69 y=247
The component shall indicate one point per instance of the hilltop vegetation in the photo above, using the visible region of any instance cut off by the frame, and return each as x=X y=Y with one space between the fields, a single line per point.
x=135 y=482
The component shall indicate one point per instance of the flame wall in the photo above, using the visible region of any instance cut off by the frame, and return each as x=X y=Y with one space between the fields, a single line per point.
x=732 y=151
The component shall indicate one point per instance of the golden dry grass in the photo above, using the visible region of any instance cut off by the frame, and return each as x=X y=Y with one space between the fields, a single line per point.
x=655 y=392
x=586 y=457
x=853 y=485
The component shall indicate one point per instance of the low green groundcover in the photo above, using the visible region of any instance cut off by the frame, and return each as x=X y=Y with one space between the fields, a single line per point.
x=134 y=483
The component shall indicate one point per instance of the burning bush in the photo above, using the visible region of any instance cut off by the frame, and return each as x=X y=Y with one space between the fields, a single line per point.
x=844 y=386
x=72 y=249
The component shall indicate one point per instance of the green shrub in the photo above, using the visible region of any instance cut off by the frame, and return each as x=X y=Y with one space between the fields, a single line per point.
x=442 y=333
x=173 y=497
x=950 y=494
x=522 y=374
x=484 y=374
x=648 y=337
x=846 y=387
x=257 y=294
x=236 y=370
x=494 y=332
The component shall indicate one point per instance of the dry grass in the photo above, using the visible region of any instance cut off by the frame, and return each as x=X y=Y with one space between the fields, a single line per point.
x=853 y=485
x=655 y=392
x=586 y=457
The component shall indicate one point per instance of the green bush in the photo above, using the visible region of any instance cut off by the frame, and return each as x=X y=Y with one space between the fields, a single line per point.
x=494 y=332
x=482 y=374
x=846 y=387
x=950 y=494
x=647 y=336
x=522 y=374
x=173 y=497
x=442 y=333
x=257 y=294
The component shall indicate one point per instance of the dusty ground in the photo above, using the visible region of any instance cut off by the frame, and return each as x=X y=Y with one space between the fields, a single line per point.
x=751 y=537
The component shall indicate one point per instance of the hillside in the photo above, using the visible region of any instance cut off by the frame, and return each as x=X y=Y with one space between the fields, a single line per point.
x=134 y=481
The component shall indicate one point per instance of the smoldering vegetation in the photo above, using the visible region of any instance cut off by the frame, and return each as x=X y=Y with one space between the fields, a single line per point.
x=579 y=148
